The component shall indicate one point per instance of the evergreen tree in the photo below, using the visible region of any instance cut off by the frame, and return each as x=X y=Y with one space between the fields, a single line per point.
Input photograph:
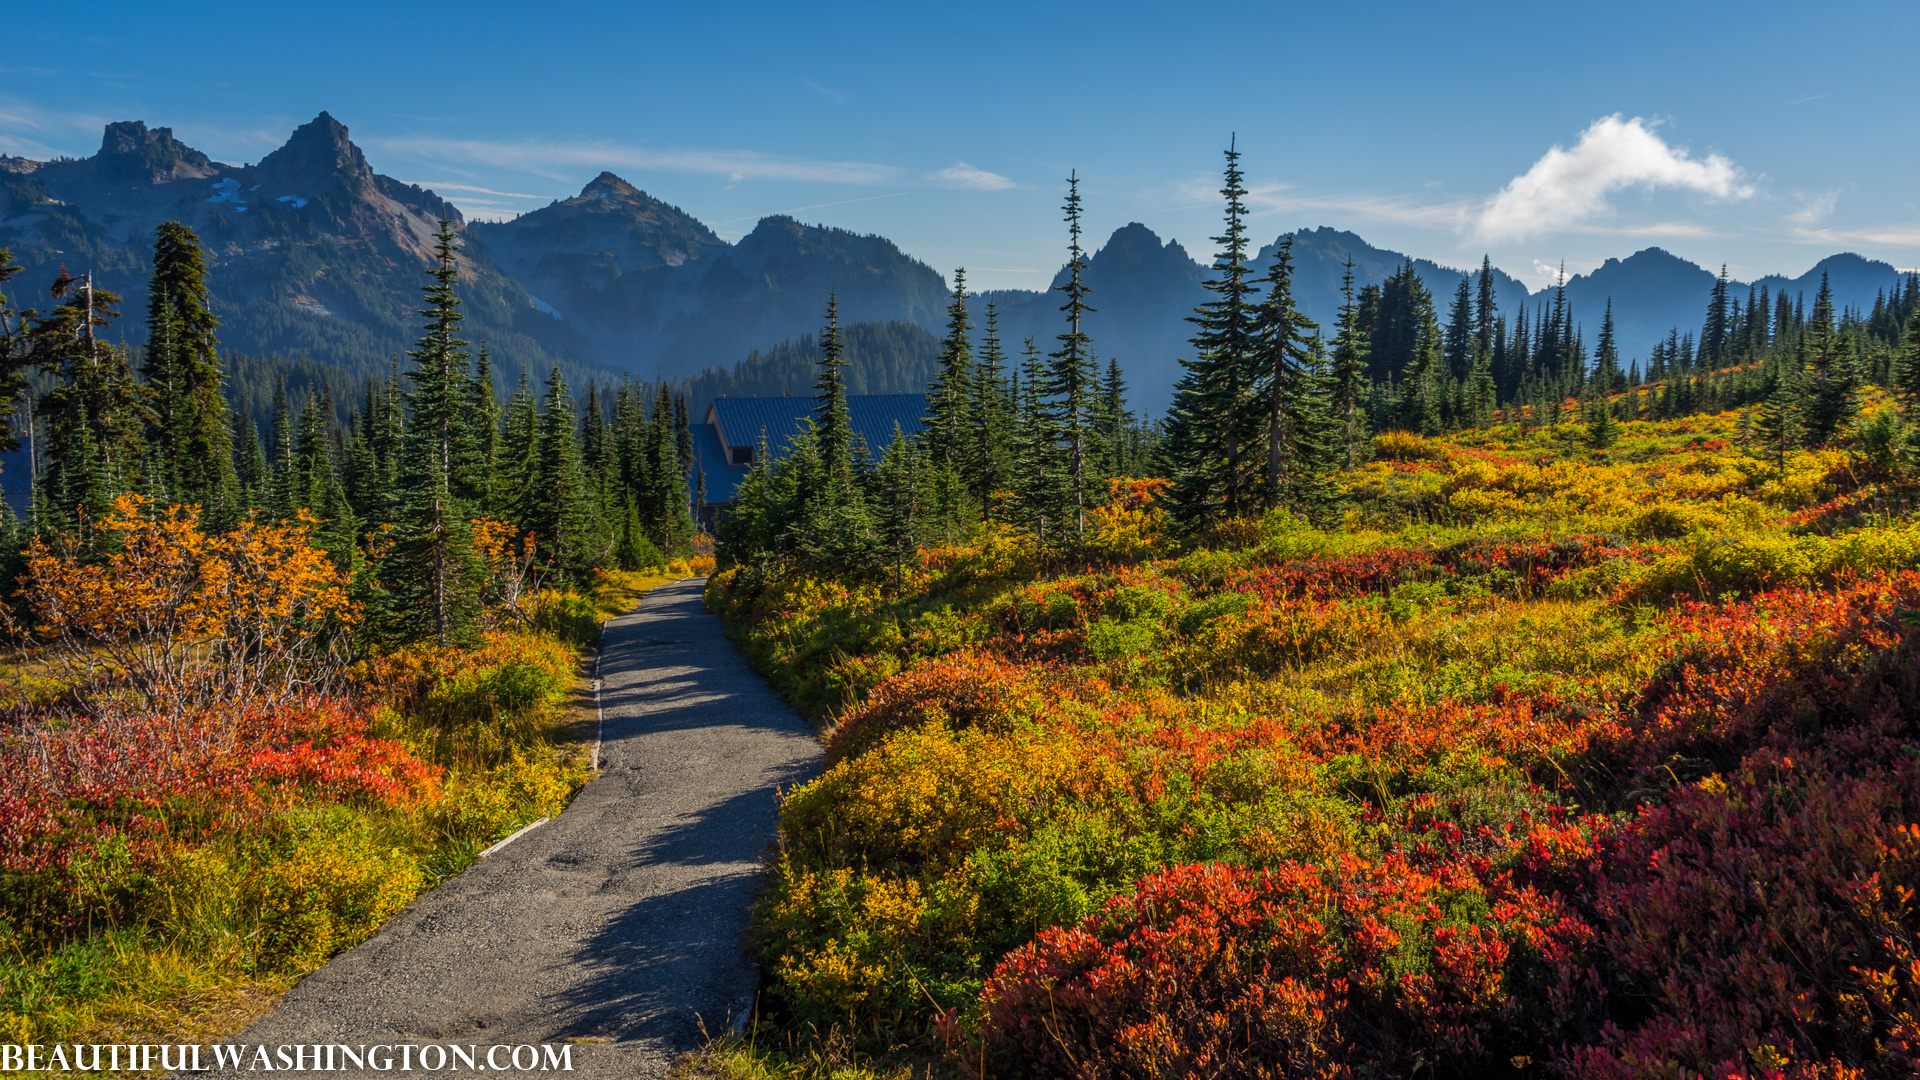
x=832 y=423
x=946 y=433
x=1831 y=389
x=1606 y=372
x=431 y=579
x=97 y=415
x=663 y=497
x=250 y=464
x=483 y=424
x=16 y=352
x=1603 y=430
x=1348 y=375
x=1116 y=421
x=1040 y=497
x=280 y=484
x=190 y=429
x=1906 y=371
x=1776 y=424
x=519 y=452
x=989 y=461
x=1713 y=335
x=559 y=513
x=440 y=402
x=1285 y=389
x=1072 y=380
x=1421 y=396
x=1486 y=312
x=899 y=485
x=1211 y=423
x=1462 y=332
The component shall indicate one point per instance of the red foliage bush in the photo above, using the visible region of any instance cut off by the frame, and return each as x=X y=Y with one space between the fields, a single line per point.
x=144 y=782
x=1760 y=923
x=1356 y=970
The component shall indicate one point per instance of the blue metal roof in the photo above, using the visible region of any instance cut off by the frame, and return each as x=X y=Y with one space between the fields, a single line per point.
x=739 y=421
x=16 y=477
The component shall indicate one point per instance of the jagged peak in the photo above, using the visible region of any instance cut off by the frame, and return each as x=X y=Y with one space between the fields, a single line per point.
x=131 y=151
x=316 y=151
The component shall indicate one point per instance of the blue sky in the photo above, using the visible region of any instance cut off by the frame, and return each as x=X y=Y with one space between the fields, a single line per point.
x=1765 y=136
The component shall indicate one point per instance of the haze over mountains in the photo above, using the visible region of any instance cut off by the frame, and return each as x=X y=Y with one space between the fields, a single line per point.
x=314 y=254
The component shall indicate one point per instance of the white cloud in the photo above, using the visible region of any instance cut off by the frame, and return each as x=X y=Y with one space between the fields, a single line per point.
x=1383 y=208
x=962 y=175
x=838 y=97
x=1814 y=208
x=559 y=160
x=29 y=131
x=1567 y=188
x=1899 y=235
x=431 y=186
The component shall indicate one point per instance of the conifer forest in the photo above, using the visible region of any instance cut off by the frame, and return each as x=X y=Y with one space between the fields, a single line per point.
x=1437 y=691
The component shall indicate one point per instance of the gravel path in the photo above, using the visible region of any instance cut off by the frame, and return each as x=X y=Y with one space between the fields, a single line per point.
x=619 y=922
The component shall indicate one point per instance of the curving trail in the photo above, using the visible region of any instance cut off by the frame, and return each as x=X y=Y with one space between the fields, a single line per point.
x=620 y=921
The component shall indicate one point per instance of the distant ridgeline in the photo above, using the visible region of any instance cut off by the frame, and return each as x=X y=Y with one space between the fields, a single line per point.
x=882 y=358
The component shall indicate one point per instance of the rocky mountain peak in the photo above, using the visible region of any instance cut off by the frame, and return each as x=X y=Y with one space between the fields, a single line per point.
x=131 y=152
x=607 y=185
x=317 y=152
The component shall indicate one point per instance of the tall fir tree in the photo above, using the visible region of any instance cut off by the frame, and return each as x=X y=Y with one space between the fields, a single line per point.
x=440 y=403
x=432 y=577
x=191 y=431
x=989 y=419
x=1211 y=422
x=1461 y=332
x=1831 y=390
x=96 y=416
x=1776 y=423
x=1606 y=371
x=1072 y=379
x=519 y=451
x=945 y=433
x=1347 y=377
x=1040 y=500
x=560 y=512
x=1288 y=394
x=1116 y=422
x=483 y=425
x=1713 y=334
x=832 y=422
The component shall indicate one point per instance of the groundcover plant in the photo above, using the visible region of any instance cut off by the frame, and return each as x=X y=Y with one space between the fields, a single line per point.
x=1535 y=755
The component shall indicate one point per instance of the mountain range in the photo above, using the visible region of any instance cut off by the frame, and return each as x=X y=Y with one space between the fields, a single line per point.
x=316 y=256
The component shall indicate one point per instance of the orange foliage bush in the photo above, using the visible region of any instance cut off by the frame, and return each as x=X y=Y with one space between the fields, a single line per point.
x=183 y=619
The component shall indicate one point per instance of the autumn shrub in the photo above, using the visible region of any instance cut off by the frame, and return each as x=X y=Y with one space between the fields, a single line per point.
x=197 y=791
x=487 y=806
x=1349 y=970
x=1547 y=762
x=170 y=617
x=331 y=889
x=572 y=617
x=88 y=807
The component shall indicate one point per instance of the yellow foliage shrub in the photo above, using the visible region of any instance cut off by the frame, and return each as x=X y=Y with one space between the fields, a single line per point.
x=1407 y=446
x=327 y=897
x=526 y=787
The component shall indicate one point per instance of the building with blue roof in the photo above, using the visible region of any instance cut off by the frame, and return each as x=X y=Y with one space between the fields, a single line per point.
x=726 y=441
